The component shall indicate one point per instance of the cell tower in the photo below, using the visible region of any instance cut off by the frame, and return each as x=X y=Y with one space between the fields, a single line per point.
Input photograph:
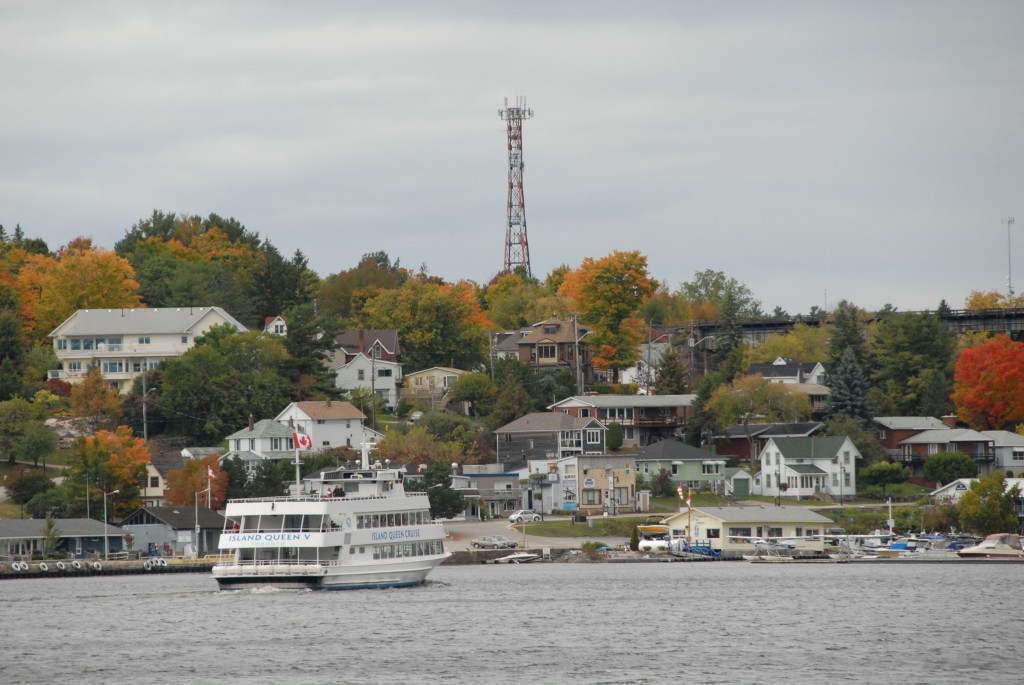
x=517 y=249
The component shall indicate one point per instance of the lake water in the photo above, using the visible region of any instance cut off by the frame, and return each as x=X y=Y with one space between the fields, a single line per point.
x=727 y=622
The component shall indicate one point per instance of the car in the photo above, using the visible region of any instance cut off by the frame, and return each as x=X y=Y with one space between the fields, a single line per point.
x=524 y=516
x=415 y=416
x=493 y=542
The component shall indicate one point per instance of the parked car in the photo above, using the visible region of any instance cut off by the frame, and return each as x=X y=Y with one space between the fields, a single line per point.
x=494 y=542
x=524 y=515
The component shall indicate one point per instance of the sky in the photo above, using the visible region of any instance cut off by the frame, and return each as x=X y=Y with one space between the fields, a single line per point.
x=814 y=151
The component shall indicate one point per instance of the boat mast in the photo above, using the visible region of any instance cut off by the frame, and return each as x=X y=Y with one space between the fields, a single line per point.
x=298 y=475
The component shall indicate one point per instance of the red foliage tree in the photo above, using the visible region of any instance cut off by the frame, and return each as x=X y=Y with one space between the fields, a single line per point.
x=987 y=384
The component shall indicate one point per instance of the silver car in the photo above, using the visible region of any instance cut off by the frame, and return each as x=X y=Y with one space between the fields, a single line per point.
x=494 y=542
x=524 y=515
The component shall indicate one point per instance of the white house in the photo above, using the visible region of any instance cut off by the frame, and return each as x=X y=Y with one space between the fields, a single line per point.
x=808 y=466
x=1009 y=451
x=275 y=325
x=382 y=377
x=644 y=418
x=733 y=530
x=123 y=342
x=330 y=423
x=260 y=440
x=951 y=492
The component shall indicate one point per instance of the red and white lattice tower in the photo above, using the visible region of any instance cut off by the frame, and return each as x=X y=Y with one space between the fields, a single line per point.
x=517 y=249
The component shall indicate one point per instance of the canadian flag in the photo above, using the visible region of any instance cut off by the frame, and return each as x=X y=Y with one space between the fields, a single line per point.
x=302 y=441
x=679 y=489
x=688 y=496
x=209 y=470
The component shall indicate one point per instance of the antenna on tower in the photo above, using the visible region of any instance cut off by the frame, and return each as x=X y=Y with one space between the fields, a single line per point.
x=517 y=249
x=1009 y=263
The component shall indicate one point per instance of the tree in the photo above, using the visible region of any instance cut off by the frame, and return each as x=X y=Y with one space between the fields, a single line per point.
x=445 y=502
x=614 y=436
x=342 y=295
x=183 y=485
x=708 y=290
x=988 y=507
x=95 y=401
x=476 y=388
x=670 y=377
x=15 y=415
x=802 y=342
x=863 y=438
x=907 y=345
x=238 y=478
x=268 y=479
x=104 y=462
x=609 y=292
x=847 y=333
x=848 y=388
x=511 y=403
x=662 y=485
x=37 y=441
x=28 y=485
x=439 y=324
x=51 y=536
x=987 y=383
x=885 y=473
x=754 y=399
x=946 y=467
x=702 y=419
x=309 y=342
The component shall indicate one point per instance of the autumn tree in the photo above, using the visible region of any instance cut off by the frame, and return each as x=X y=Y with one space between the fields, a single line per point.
x=802 y=342
x=708 y=291
x=439 y=324
x=863 y=437
x=609 y=292
x=104 y=462
x=754 y=399
x=95 y=401
x=988 y=507
x=183 y=485
x=342 y=295
x=987 y=384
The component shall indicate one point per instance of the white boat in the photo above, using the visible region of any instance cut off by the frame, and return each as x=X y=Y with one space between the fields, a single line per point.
x=347 y=529
x=516 y=558
x=995 y=546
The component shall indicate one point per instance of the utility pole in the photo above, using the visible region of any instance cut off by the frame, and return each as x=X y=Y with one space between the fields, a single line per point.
x=517 y=249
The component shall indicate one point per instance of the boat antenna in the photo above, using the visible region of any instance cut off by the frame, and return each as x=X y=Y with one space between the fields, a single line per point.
x=365 y=461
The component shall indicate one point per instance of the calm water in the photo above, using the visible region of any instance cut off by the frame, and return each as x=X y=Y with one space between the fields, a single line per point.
x=728 y=622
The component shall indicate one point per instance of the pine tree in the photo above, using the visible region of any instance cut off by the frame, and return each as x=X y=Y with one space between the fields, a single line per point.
x=849 y=389
x=670 y=376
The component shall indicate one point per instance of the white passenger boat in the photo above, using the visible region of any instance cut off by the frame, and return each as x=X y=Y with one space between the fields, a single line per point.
x=345 y=529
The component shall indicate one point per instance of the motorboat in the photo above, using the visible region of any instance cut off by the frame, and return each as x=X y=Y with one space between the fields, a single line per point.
x=517 y=558
x=344 y=529
x=995 y=546
x=653 y=528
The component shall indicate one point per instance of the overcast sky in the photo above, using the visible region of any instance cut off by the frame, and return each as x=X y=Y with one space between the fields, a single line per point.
x=867 y=151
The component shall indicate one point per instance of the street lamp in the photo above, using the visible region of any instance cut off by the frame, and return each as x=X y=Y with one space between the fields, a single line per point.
x=692 y=343
x=207 y=490
x=106 y=540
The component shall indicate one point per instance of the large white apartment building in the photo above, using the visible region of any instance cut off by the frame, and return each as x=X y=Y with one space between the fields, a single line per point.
x=123 y=342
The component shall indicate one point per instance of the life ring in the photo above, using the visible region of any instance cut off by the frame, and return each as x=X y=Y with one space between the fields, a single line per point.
x=24 y=566
x=163 y=562
x=60 y=566
x=16 y=566
x=77 y=565
x=43 y=566
x=147 y=565
x=97 y=566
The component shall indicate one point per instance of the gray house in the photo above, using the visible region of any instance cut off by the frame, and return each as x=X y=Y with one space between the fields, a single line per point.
x=549 y=435
x=171 y=531
x=78 y=537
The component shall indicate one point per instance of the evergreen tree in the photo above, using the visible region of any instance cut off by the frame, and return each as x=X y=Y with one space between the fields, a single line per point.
x=511 y=403
x=907 y=345
x=849 y=389
x=936 y=393
x=702 y=420
x=670 y=377
x=847 y=333
x=309 y=341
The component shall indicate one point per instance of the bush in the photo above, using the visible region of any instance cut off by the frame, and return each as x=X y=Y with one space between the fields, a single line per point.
x=590 y=549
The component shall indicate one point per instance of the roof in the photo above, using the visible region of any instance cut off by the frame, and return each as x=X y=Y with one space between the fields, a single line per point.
x=609 y=401
x=944 y=436
x=1005 y=438
x=349 y=340
x=178 y=518
x=445 y=369
x=126 y=321
x=328 y=409
x=772 y=430
x=805 y=469
x=762 y=514
x=69 y=528
x=784 y=367
x=564 y=331
x=164 y=463
x=548 y=422
x=264 y=428
x=672 y=449
x=815 y=447
x=918 y=423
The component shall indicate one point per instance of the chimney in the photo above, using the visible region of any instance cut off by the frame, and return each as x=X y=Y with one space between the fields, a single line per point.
x=252 y=423
x=328 y=401
x=949 y=420
x=361 y=343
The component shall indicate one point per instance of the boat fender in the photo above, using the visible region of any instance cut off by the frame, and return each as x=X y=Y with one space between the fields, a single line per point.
x=16 y=566
x=97 y=566
x=77 y=565
x=163 y=562
x=147 y=565
x=60 y=565
x=43 y=566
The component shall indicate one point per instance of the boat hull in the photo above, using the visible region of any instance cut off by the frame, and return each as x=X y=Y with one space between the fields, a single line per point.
x=318 y=577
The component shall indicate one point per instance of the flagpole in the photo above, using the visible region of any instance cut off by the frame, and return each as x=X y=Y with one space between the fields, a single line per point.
x=689 y=515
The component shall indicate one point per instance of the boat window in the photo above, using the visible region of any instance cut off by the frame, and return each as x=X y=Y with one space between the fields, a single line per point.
x=391 y=520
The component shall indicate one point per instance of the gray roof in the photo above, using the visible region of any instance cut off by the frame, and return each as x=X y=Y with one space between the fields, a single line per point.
x=69 y=528
x=672 y=449
x=945 y=436
x=127 y=321
x=805 y=469
x=772 y=430
x=1005 y=438
x=913 y=423
x=546 y=422
x=608 y=401
x=178 y=518
x=763 y=514
x=164 y=463
x=264 y=428
x=819 y=447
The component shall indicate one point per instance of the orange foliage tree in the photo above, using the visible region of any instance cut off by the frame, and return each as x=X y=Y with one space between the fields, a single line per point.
x=193 y=478
x=609 y=291
x=108 y=461
x=987 y=384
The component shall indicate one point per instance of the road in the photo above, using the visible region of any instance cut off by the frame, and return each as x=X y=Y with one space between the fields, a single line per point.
x=462 y=533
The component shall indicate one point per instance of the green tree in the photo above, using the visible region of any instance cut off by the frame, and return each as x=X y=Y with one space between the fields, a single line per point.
x=946 y=467
x=662 y=485
x=936 y=393
x=988 y=507
x=12 y=345
x=343 y=295
x=614 y=436
x=863 y=438
x=907 y=345
x=445 y=502
x=847 y=333
x=477 y=389
x=15 y=415
x=848 y=388
x=51 y=537
x=238 y=478
x=36 y=442
x=701 y=425
x=709 y=289
x=670 y=377
x=268 y=479
x=754 y=399
x=28 y=485
x=309 y=342
x=511 y=403
x=884 y=473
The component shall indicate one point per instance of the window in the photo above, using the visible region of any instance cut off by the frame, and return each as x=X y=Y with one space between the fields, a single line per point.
x=62 y=343
x=361 y=375
x=675 y=469
x=739 y=535
x=154 y=481
x=767 y=480
x=711 y=468
x=184 y=340
x=76 y=344
x=275 y=444
x=87 y=343
x=593 y=436
x=775 y=532
x=591 y=497
x=113 y=366
x=584 y=413
x=1018 y=453
x=799 y=532
x=144 y=340
x=714 y=533
x=846 y=458
x=546 y=352
x=137 y=367
x=74 y=367
x=383 y=373
x=835 y=479
x=846 y=478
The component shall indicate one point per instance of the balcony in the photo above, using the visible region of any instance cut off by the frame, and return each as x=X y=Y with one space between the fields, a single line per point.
x=654 y=421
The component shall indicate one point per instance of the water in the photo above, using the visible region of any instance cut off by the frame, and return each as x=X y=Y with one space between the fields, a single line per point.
x=728 y=622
